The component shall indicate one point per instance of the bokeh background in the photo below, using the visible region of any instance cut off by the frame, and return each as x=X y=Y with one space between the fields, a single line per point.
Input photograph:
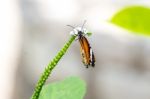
x=33 y=31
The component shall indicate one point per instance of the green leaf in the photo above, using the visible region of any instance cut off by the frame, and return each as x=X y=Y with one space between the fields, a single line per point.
x=70 y=88
x=135 y=19
x=89 y=33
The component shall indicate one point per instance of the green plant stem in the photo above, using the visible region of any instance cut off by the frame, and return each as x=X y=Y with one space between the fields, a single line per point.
x=50 y=67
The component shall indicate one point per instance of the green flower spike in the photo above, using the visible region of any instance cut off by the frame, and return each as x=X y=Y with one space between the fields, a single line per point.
x=50 y=67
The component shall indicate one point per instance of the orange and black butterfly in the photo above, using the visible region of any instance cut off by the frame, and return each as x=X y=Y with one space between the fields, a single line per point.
x=88 y=57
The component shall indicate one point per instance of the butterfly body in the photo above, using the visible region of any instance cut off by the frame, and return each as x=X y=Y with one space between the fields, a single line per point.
x=87 y=54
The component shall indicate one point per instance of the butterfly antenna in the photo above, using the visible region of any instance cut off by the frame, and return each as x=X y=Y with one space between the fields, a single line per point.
x=71 y=26
x=83 y=24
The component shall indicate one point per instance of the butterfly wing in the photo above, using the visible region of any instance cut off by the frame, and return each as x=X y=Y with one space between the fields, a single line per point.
x=86 y=52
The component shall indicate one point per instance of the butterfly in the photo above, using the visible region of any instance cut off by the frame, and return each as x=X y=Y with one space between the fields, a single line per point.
x=87 y=54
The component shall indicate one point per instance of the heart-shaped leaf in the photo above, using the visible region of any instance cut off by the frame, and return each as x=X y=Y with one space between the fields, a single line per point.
x=70 y=88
